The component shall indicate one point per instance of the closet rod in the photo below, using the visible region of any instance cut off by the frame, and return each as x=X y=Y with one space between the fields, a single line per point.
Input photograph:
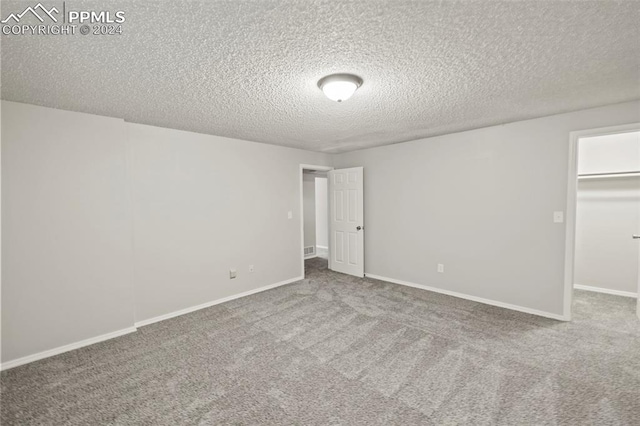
x=610 y=174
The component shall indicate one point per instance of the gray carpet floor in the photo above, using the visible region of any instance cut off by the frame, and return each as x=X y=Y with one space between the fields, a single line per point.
x=338 y=350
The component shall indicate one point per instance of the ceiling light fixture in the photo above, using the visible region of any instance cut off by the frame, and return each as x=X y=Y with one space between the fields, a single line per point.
x=339 y=87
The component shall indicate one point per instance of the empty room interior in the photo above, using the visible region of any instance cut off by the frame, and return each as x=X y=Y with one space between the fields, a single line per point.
x=320 y=212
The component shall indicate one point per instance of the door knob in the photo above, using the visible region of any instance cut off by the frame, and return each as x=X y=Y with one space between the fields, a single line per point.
x=635 y=237
x=360 y=227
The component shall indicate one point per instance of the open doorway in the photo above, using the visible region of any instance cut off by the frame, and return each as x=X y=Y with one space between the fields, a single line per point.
x=604 y=215
x=344 y=211
x=315 y=217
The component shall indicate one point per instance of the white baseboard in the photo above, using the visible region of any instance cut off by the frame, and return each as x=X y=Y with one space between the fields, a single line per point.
x=310 y=257
x=606 y=291
x=322 y=247
x=66 y=348
x=46 y=354
x=214 y=302
x=472 y=298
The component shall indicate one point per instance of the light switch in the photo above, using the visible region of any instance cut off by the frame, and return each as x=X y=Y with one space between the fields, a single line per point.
x=290 y=215
x=558 y=217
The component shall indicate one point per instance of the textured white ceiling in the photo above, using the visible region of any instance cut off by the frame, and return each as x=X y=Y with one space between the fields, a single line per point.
x=249 y=69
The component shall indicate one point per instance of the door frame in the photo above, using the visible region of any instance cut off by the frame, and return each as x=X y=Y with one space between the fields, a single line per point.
x=304 y=167
x=572 y=201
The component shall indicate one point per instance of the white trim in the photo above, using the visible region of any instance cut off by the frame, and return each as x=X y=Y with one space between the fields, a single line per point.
x=605 y=290
x=304 y=167
x=472 y=298
x=322 y=252
x=214 y=302
x=77 y=345
x=310 y=257
x=66 y=348
x=615 y=175
x=572 y=194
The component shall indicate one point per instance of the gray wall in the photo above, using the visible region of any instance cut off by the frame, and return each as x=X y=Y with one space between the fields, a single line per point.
x=84 y=197
x=204 y=204
x=67 y=263
x=480 y=202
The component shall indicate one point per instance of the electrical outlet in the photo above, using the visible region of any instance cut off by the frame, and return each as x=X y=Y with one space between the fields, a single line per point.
x=441 y=268
x=251 y=269
x=232 y=273
x=289 y=215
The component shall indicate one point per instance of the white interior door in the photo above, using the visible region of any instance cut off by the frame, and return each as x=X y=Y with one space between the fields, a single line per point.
x=346 y=221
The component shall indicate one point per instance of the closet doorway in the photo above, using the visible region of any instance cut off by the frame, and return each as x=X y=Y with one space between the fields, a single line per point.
x=606 y=213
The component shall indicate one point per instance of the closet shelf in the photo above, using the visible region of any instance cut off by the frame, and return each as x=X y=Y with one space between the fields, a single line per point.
x=608 y=175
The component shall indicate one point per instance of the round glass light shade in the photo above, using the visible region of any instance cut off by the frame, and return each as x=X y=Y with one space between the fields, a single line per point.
x=339 y=87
